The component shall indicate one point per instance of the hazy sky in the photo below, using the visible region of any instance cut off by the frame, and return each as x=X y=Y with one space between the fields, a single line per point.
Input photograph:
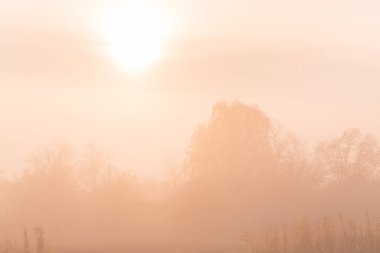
x=311 y=65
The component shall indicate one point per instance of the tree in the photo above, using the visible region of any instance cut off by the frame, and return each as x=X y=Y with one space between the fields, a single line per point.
x=352 y=156
x=234 y=144
x=241 y=163
x=94 y=169
x=240 y=143
x=47 y=188
x=52 y=168
x=349 y=166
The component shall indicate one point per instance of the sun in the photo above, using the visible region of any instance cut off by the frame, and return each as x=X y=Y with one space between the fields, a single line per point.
x=135 y=33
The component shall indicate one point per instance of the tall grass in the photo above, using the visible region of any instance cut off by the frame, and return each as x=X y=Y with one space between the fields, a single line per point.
x=40 y=240
x=26 y=243
x=323 y=236
x=7 y=246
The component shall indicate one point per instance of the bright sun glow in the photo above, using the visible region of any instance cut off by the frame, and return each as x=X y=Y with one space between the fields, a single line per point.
x=135 y=33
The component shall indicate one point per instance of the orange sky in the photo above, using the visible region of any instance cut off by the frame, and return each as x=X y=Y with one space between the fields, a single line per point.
x=313 y=66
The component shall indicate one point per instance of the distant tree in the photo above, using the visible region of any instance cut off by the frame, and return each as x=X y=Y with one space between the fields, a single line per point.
x=60 y=185
x=177 y=175
x=120 y=187
x=352 y=156
x=241 y=143
x=47 y=188
x=240 y=162
x=51 y=168
x=94 y=168
x=235 y=143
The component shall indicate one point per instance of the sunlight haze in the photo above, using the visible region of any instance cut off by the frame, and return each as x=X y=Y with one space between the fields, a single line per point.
x=189 y=126
x=312 y=66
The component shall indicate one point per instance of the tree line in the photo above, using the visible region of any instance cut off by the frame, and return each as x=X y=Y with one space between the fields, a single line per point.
x=241 y=170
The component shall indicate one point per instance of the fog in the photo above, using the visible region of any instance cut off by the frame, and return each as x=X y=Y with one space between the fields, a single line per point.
x=254 y=128
x=242 y=173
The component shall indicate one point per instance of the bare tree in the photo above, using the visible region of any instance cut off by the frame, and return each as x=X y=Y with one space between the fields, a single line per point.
x=350 y=156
